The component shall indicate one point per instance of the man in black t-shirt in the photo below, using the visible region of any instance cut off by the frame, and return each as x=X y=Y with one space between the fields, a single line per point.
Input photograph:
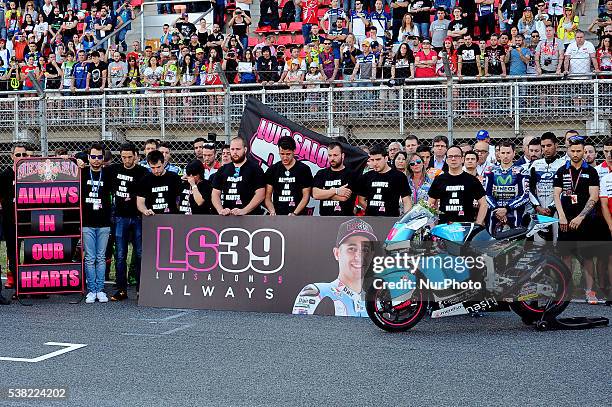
x=288 y=182
x=334 y=186
x=7 y=198
x=576 y=194
x=494 y=58
x=96 y=212
x=125 y=181
x=468 y=58
x=195 y=191
x=96 y=72
x=380 y=190
x=159 y=190
x=239 y=187
x=455 y=191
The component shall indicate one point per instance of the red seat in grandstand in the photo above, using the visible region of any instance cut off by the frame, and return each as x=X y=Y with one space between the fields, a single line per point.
x=263 y=30
x=284 y=40
x=298 y=40
x=136 y=3
x=295 y=27
x=253 y=41
x=80 y=27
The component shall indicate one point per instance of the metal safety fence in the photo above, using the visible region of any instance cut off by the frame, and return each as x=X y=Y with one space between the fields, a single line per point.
x=364 y=114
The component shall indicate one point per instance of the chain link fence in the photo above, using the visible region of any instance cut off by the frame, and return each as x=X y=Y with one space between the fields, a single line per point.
x=365 y=114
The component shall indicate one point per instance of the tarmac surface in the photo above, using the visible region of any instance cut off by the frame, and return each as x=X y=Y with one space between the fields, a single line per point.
x=138 y=356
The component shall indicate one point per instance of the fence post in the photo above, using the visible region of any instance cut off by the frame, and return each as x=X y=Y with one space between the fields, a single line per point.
x=16 y=118
x=401 y=111
x=226 y=114
x=42 y=116
x=162 y=116
x=449 y=110
x=103 y=135
x=596 y=106
x=330 y=110
x=517 y=115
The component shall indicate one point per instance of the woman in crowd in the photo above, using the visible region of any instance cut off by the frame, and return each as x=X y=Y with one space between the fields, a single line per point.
x=41 y=29
x=408 y=29
x=247 y=68
x=604 y=54
x=425 y=61
x=240 y=23
x=403 y=63
x=449 y=52
x=566 y=30
x=152 y=79
x=212 y=68
x=231 y=44
x=28 y=25
x=526 y=25
x=401 y=162
x=418 y=178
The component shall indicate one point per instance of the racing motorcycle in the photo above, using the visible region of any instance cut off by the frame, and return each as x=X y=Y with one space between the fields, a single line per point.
x=508 y=271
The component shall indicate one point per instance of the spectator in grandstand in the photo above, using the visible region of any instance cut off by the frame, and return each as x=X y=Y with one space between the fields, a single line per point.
x=337 y=34
x=30 y=66
x=268 y=14
x=541 y=18
x=510 y=12
x=288 y=182
x=549 y=54
x=421 y=9
x=580 y=57
x=602 y=20
x=241 y=182
x=526 y=24
x=408 y=29
x=159 y=190
x=133 y=79
x=575 y=202
x=293 y=77
x=568 y=26
x=495 y=58
x=246 y=68
x=359 y=21
x=507 y=190
x=164 y=8
x=117 y=71
x=269 y=42
x=240 y=23
x=411 y=143
x=166 y=37
x=604 y=54
x=425 y=61
x=381 y=190
x=96 y=213
x=449 y=52
x=380 y=19
x=125 y=181
x=440 y=146
x=455 y=191
x=439 y=29
x=365 y=68
x=96 y=72
x=485 y=10
x=103 y=25
x=125 y=14
x=458 y=27
x=52 y=73
x=294 y=56
x=468 y=58
x=332 y=15
x=184 y=26
x=310 y=19
x=518 y=57
x=328 y=62
x=267 y=67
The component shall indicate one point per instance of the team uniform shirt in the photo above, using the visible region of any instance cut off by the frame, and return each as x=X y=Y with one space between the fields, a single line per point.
x=381 y=21
x=287 y=185
x=160 y=192
x=506 y=189
x=96 y=198
x=329 y=298
x=187 y=203
x=574 y=184
x=310 y=8
x=238 y=184
x=605 y=189
x=124 y=186
x=541 y=178
x=358 y=24
x=383 y=192
x=365 y=65
x=469 y=57
x=456 y=195
x=327 y=179
x=333 y=14
x=79 y=73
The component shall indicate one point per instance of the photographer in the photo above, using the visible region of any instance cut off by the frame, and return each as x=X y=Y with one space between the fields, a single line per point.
x=549 y=54
x=125 y=14
x=240 y=23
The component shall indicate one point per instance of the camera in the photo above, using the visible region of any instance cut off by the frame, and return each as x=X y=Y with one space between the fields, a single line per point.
x=547 y=61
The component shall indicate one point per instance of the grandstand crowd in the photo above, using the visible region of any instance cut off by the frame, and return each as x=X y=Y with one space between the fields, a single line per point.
x=81 y=46
x=469 y=182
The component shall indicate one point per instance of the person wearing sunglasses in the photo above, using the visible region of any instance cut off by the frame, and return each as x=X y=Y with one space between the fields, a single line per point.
x=418 y=179
x=241 y=183
x=7 y=198
x=96 y=210
x=454 y=192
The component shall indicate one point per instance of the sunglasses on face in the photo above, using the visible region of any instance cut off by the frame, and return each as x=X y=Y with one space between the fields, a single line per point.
x=415 y=162
x=96 y=156
x=21 y=154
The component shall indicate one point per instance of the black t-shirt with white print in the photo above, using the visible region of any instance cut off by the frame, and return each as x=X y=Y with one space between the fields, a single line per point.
x=238 y=184
x=469 y=59
x=383 y=191
x=96 y=197
x=456 y=195
x=287 y=185
x=125 y=183
x=96 y=72
x=187 y=203
x=161 y=192
x=329 y=179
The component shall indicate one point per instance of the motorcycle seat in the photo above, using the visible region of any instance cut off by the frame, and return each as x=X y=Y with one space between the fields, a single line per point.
x=511 y=233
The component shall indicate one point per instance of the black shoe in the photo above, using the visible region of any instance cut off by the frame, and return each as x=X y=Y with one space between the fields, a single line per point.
x=608 y=303
x=119 y=295
x=4 y=301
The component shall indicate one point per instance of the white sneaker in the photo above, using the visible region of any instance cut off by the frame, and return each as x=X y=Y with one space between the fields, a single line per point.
x=90 y=298
x=102 y=297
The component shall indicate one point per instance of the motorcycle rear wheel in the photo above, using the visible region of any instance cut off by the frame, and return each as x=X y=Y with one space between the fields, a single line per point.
x=555 y=274
x=398 y=318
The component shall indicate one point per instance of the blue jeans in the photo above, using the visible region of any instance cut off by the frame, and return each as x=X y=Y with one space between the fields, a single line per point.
x=76 y=5
x=123 y=226
x=94 y=247
x=120 y=39
x=306 y=29
x=423 y=29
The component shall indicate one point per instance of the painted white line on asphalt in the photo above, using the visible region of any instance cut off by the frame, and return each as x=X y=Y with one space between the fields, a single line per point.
x=68 y=347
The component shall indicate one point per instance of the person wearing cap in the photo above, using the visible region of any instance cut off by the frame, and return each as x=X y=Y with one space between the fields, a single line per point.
x=293 y=77
x=568 y=26
x=343 y=296
x=186 y=28
x=527 y=23
x=483 y=135
x=365 y=68
x=425 y=61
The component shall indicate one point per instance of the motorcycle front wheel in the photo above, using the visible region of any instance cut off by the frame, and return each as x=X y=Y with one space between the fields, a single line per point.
x=548 y=291
x=395 y=316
